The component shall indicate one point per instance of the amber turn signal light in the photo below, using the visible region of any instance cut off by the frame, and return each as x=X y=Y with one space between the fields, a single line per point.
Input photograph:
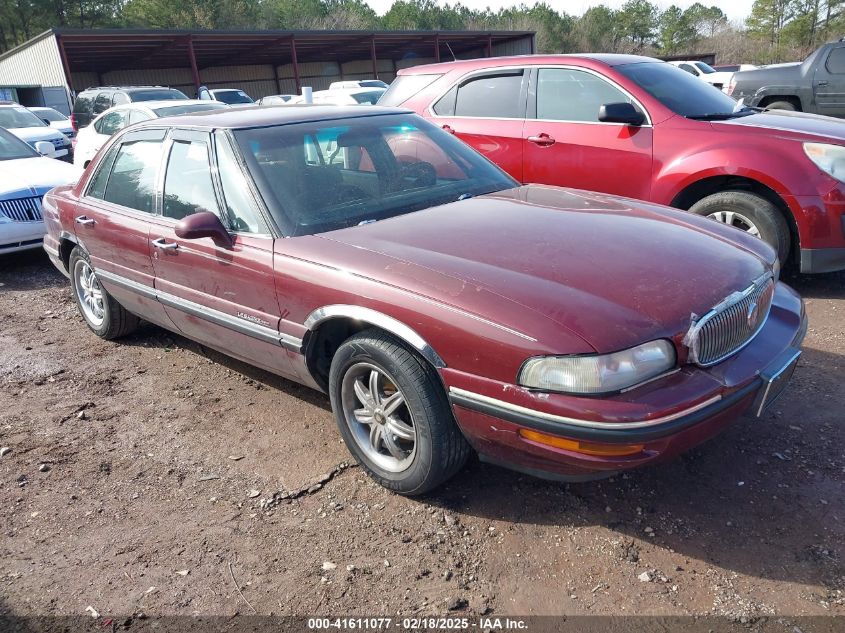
x=578 y=446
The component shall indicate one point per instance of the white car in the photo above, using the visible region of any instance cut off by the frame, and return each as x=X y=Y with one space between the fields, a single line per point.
x=55 y=120
x=705 y=72
x=358 y=83
x=25 y=176
x=232 y=96
x=354 y=96
x=276 y=99
x=91 y=138
x=30 y=129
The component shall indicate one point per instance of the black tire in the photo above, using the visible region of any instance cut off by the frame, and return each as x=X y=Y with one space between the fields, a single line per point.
x=117 y=321
x=441 y=451
x=764 y=215
x=781 y=105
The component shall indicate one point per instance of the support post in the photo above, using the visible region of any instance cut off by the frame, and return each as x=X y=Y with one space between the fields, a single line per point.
x=295 y=65
x=194 y=70
x=437 y=48
x=373 y=56
x=276 y=78
x=489 y=45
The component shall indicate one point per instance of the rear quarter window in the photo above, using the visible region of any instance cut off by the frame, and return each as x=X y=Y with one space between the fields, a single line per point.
x=836 y=61
x=84 y=102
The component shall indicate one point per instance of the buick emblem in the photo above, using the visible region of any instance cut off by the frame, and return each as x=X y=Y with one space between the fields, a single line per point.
x=753 y=315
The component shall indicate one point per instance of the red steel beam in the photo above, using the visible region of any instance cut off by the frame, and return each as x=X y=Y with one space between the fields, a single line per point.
x=295 y=64
x=373 y=56
x=194 y=70
x=437 y=48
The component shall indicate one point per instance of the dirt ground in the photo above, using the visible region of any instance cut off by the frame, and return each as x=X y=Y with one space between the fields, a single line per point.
x=142 y=475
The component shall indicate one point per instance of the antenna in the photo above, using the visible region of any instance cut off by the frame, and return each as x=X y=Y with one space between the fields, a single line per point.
x=454 y=59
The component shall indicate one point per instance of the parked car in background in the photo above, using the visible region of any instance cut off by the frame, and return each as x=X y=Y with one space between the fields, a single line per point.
x=275 y=99
x=442 y=306
x=815 y=85
x=55 y=120
x=93 y=101
x=642 y=128
x=31 y=129
x=734 y=68
x=93 y=137
x=344 y=96
x=357 y=83
x=25 y=176
x=705 y=72
x=232 y=96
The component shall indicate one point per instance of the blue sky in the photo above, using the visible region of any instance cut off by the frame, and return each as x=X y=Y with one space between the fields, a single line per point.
x=736 y=10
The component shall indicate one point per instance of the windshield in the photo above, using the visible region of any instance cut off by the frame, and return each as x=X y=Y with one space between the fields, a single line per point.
x=368 y=97
x=232 y=96
x=705 y=68
x=327 y=175
x=681 y=92
x=19 y=117
x=185 y=109
x=162 y=94
x=372 y=83
x=49 y=114
x=11 y=147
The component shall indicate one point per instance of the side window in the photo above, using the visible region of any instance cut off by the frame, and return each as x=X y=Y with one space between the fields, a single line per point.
x=111 y=122
x=132 y=180
x=445 y=106
x=240 y=209
x=689 y=69
x=188 y=187
x=102 y=102
x=120 y=98
x=136 y=116
x=495 y=96
x=97 y=187
x=573 y=95
x=836 y=61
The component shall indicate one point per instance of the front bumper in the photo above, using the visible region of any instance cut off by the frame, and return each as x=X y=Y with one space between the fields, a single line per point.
x=821 y=229
x=20 y=236
x=697 y=404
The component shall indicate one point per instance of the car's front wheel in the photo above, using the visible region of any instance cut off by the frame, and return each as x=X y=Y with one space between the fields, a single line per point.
x=751 y=213
x=103 y=315
x=393 y=414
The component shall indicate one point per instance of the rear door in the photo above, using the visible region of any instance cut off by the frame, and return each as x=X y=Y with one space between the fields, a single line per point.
x=112 y=222
x=565 y=144
x=487 y=110
x=829 y=83
x=221 y=295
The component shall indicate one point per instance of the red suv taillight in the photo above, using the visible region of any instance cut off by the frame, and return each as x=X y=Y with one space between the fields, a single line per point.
x=73 y=123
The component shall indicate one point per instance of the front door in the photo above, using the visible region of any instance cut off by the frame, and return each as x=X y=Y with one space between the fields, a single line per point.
x=112 y=222
x=829 y=83
x=486 y=110
x=222 y=295
x=565 y=144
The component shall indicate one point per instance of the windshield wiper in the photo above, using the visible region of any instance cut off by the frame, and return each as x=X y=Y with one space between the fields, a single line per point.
x=722 y=116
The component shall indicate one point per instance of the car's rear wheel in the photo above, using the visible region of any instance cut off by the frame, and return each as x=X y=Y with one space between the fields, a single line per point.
x=748 y=212
x=103 y=315
x=393 y=414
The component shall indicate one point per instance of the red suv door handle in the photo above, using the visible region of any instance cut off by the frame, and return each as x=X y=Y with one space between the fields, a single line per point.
x=163 y=244
x=448 y=128
x=542 y=139
x=84 y=220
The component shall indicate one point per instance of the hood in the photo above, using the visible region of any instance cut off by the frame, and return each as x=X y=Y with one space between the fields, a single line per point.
x=802 y=124
x=34 y=176
x=34 y=134
x=613 y=271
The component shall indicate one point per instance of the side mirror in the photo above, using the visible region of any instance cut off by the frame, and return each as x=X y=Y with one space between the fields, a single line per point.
x=45 y=148
x=623 y=112
x=203 y=224
x=46 y=122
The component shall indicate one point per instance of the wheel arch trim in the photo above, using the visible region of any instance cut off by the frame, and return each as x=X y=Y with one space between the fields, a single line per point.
x=379 y=319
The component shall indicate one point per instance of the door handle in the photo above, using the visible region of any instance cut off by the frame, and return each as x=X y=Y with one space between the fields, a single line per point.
x=448 y=128
x=84 y=220
x=822 y=83
x=162 y=244
x=542 y=139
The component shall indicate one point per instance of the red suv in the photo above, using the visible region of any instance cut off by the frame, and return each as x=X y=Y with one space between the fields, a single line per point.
x=638 y=127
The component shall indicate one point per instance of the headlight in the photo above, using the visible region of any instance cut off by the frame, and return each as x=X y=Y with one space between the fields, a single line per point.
x=829 y=158
x=606 y=373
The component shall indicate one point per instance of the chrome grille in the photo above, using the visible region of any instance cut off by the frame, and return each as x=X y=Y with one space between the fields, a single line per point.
x=731 y=324
x=22 y=209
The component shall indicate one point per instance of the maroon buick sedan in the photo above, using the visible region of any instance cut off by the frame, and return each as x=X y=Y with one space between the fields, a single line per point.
x=443 y=307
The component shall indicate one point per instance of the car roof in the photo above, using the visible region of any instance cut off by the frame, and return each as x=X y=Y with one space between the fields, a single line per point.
x=265 y=116
x=129 y=88
x=609 y=59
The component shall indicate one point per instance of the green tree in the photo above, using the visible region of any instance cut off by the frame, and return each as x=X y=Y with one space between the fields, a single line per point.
x=676 y=33
x=707 y=21
x=638 y=22
x=598 y=30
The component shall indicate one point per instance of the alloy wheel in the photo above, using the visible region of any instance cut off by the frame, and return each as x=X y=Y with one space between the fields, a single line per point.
x=90 y=294
x=736 y=220
x=378 y=416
